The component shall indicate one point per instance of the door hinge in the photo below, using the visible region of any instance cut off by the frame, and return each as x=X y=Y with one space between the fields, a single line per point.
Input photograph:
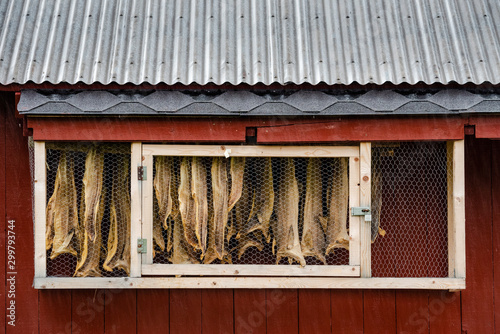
x=362 y=211
x=142 y=173
x=141 y=246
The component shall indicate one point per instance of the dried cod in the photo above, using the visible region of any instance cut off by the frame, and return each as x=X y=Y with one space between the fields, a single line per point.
x=254 y=228
x=187 y=204
x=336 y=231
x=93 y=181
x=219 y=219
x=286 y=228
x=62 y=211
x=313 y=237
x=199 y=194
x=162 y=185
x=237 y=172
x=88 y=260
x=118 y=250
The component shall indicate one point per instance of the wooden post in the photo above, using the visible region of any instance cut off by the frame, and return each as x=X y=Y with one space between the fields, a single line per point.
x=135 y=214
x=456 y=209
x=365 y=152
x=147 y=208
x=354 y=221
x=40 y=190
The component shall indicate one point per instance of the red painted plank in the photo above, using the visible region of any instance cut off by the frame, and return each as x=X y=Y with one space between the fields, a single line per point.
x=153 y=311
x=282 y=311
x=412 y=313
x=54 y=315
x=137 y=129
x=347 y=311
x=495 y=187
x=120 y=314
x=87 y=311
x=355 y=129
x=250 y=311
x=314 y=311
x=444 y=312
x=185 y=311
x=379 y=311
x=3 y=100
x=217 y=314
x=477 y=298
x=486 y=126
x=270 y=130
x=18 y=209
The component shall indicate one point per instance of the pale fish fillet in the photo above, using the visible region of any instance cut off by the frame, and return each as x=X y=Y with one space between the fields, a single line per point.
x=175 y=213
x=264 y=202
x=286 y=233
x=237 y=172
x=64 y=209
x=377 y=188
x=93 y=180
x=118 y=250
x=248 y=241
x=218 y=222
x=162 y=184
x=261 y=204
x=182 y=253
x=199 y=195
x=88 y=261
x=336 y=233
x=313 y=237
x=186 y=203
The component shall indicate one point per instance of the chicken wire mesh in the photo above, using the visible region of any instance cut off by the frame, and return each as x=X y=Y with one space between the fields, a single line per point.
x=251 y=210
x=88 y=210
x=409 y=209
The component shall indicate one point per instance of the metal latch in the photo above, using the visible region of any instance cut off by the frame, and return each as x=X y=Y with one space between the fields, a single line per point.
x=141 y=246
x=142 y=173
x=362 y=211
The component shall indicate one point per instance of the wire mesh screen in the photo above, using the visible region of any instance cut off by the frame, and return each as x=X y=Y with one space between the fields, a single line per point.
x=251 y=210
x=88 y=210
x=409 y=206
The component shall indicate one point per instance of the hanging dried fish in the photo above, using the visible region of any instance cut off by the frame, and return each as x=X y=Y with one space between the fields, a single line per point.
x=175 y=213
x=336 y=232
x=377 y=187
x=88 y=261
x=93 y=180
x=199 y=195
x=187 y=204
x=313 y=237
x=260 y=205
x=118 y=250
x=162 y=183
x=217 y=225
x=286 y=229
x=237 y=172
x=62 y=210
x=182 y=252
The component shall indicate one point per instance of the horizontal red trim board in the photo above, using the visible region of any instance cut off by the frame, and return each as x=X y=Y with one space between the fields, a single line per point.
x=486 y=126
x=359 y=129
x=269 y=130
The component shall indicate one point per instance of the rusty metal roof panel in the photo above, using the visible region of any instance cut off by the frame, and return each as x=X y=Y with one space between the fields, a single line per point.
x=250 y=41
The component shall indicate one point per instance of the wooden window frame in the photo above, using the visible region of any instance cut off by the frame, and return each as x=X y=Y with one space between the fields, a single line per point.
x=141 y=155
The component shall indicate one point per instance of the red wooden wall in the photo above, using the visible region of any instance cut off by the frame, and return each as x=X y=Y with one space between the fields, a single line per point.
x=253 y=311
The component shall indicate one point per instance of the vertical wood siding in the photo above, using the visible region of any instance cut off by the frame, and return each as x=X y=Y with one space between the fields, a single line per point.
x=255 y=311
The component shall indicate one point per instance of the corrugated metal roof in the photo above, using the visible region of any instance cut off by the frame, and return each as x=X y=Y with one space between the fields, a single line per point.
x=250 y=41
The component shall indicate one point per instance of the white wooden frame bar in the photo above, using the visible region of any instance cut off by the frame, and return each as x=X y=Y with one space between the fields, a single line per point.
x=249 y=283
x=136 y=210
x=151 y=150
x=251 y=151
x=40 y=189
x=248 y=270
x=365 y=200
x=456 y=209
